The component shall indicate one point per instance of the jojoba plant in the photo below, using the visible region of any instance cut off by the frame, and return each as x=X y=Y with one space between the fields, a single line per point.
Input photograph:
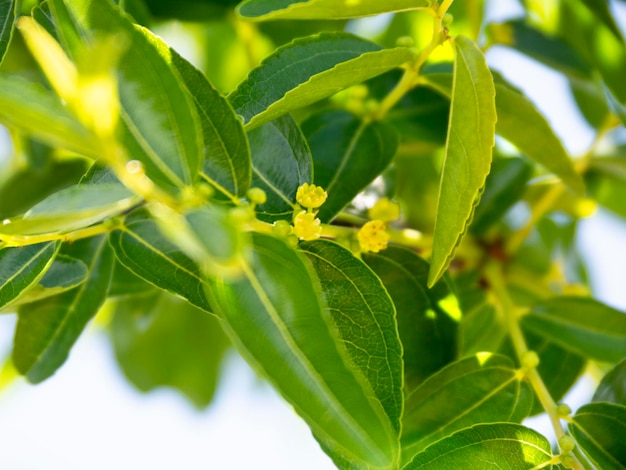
x=340 y=204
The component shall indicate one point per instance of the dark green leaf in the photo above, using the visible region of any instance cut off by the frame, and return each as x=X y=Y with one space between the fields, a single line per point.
x=263 y=10
x=481 y=389
x=22 y=267
x=581 y=325
x=467 y=161
x=481 y=330
x=504 y=187
x=365 y=318
x=599 y=428
x=275 y=317
x=427 y=318
x=160 y=340
x=160 y=125
x=308 y=70
x=125 y=283
x=612 y=388
x=486 y=446
x=281 y=162
x=47 y=329
x=71 y=209
x=36 y=111
x=600 y=8
x=141 y=248
x=348 y=154
x=8 y=12
x=226 y=153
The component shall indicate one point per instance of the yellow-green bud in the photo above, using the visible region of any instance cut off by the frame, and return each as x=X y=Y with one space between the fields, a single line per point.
x=282 y=228
x=447 y=19
x=405 y=41
x=530 y=360
x=567 y=444
x=257 y=196
x=563 y=410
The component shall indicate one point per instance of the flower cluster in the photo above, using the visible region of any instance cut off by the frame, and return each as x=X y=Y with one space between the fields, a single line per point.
x=373 y=236
x=311 y=196
x=305 y=224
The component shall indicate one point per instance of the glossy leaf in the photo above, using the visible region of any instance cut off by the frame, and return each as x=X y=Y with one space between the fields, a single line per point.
x=47 y=329
x=125 y=283
x=71 y=209
x=160 y=128
x=308 y=70
x=276 y=320
x=348 y=154
x=36 y=111
x=467 y=160
x=162 y=341
x=365 y=318
x=612 y=387
x=281 y=162
x=22 y=267
x=8 y=12
x=427 y=318
x=481 y=389
x=500 y=445
x=226 y=152
x=599 y=428
x=264 y=10
x=140 y=247
x=582 y=325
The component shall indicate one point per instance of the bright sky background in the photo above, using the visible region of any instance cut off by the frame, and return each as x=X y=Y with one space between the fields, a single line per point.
x=88 y=417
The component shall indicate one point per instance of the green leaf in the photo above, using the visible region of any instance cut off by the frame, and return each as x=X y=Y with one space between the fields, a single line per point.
x=600 y=8
x=47 y=329
x=29 y=107
x=71 y=209
x=8 y=12
x=281 y=162
x=524 y=126
x=226 y=152
x=612 y=387
x=348 y=154
x=467 y=160
x=141 y=248
x=427 y=318
x=162 y=341
x=125 y=283
x=275 y=317
x=481 y=389
x=308 y=70
x=365 y=318
x=486 y=446
x=64 y=274
x=481 y=330
x=606 y=180
x=599 y=428
x=264 y=10
x=22 y=267
x=159 y=123
x=581 y=325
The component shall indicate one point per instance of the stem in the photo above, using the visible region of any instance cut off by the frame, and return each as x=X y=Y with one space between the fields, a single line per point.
x=495 y=276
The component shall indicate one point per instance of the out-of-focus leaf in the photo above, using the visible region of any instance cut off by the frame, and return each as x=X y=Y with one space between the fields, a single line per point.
x=510 y=445
x=140 y=247
x=71 y=209
x=47 y=329
x=427 y=318
x=600 y=8
x=160 y=128
x=481 y=389
x=612 y=388
x=226 y=153
x=308 y=70
x=471 y=134
x=38 y=112
x=160 y=340
x=264 y=10
x=606 y=180
x=365 y=318
x=504 y=187
x=581 y=325
x=281 y=162
x=599 y=428
x=8 y=12
x=28 y=186
x=22 y=267
x=275 y=317
x=190 y=10
x=348 y=154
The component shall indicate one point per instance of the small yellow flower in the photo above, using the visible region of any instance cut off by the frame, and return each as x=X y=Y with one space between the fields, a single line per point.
x=306 y=226
x=373 y=236
x=311 y=196
x=385 y=210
